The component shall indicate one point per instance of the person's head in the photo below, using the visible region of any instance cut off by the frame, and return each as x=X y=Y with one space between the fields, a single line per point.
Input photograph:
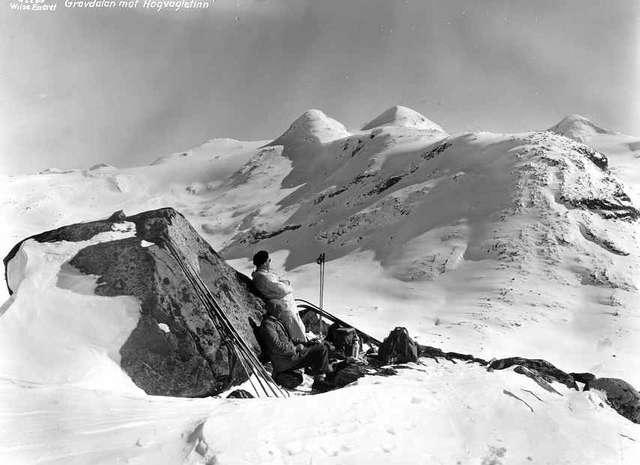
x=261 y=258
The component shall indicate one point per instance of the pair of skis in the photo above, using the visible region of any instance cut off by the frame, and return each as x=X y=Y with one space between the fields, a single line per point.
x=243 y=353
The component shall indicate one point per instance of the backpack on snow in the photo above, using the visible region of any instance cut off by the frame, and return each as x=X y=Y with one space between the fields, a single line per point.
x=345 y=340
x=398 y=347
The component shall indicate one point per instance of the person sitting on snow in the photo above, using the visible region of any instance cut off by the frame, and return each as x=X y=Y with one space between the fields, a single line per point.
x=287 y=356
x=279 y=295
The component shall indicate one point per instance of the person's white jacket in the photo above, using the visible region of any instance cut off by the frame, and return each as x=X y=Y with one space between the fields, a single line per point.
x=280 y=294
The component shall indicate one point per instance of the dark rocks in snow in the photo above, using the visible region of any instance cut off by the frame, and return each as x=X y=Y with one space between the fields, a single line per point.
x=598 y=159
x=175 y=348
x=606 y=244
x=329 y=195
x=620 y=210
x=361 y=177
x=541 y=367
x=256 y=235
x=622 y=397
x=436 y=151
x=386 y=184
x=435 y=353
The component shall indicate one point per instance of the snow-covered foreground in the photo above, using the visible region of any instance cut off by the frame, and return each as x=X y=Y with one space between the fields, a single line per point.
x=429 y=413
x=476 y=243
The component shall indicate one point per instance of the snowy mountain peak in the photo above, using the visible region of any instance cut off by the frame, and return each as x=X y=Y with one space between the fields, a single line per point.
x=402 y=116
x=312 y=126
x=578 y=127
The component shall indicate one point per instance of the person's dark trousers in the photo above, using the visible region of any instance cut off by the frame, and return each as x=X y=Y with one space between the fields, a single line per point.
x=316 y=357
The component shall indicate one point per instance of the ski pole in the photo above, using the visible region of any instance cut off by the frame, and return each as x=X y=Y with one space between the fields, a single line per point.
x=321 y=261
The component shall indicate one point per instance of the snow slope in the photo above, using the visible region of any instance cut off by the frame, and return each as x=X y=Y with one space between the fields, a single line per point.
x=433 y=413
x=492 y=244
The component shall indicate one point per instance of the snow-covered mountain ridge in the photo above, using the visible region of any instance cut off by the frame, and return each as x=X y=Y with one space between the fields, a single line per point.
x=417 y=212
x=492 y=244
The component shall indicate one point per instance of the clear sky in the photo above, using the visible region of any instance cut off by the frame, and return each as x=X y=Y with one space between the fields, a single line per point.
x=79 y=87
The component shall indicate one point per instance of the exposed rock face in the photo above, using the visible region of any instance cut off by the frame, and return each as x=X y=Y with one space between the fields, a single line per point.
x=621 y=395
x=176 y=348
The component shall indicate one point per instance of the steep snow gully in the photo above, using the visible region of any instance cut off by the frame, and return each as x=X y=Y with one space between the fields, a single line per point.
x=479 y=243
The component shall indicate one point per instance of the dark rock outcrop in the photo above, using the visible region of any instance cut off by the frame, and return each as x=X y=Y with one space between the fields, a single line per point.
x=619 y=210
x=597 y=158
x=176 y=348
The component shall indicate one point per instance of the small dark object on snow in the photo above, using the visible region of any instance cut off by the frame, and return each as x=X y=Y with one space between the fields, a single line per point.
x=322 y=385
x=398 y=347
x=289 y=379
x=435 y=353
x=344 y=339
x=346 y=373
x=240 y=394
